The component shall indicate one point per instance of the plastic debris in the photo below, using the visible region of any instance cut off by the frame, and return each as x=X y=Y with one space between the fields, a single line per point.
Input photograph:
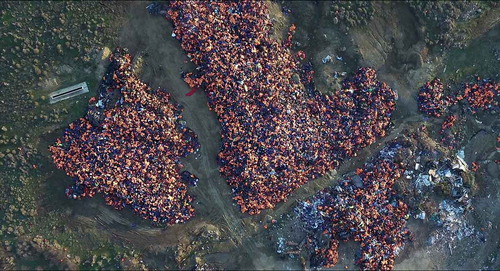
x=451 y=217
x=327 y=59
x=308 y=211
x=423 y=180
x=421 y=215
x=460 y=164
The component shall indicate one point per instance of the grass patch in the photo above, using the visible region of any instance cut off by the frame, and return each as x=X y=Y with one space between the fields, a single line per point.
x=31 y=204
x=477 y=58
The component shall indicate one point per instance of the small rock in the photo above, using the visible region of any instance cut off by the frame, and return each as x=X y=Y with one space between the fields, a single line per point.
x=4 y=129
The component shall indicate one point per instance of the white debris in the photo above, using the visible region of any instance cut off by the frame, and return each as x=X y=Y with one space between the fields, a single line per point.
x=311 y=216
x=281 y=245
x=100 y=104
x=452 y=219
x=421 y=215
x=460 y=164
x=408 y=174
x=326 y=59
x=423 y=180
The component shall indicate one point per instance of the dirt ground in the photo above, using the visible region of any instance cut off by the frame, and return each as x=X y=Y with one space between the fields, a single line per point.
x=244 y=243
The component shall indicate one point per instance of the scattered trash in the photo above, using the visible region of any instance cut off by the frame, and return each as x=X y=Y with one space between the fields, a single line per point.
x=451 y=217
x=327 y=59
x=286 y=10
x=423 y=180
x=460 y=164
x=421 y=215
x=311 y=216
x=100 y=104
x=281 y=245
x=357 y=181
x=353 y=208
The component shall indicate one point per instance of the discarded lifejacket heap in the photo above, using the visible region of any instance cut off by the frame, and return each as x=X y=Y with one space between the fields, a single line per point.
x=431 y=99
x=132 y=155
x=275 y=135
x=481 y=95
x=368 y=211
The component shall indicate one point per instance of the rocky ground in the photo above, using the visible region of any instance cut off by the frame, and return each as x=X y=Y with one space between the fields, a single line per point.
x=42 y=52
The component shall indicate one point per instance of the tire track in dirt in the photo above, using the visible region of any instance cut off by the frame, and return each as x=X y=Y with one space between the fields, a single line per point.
x=163 y=62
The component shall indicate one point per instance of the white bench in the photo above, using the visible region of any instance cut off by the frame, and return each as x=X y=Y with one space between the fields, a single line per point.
x=69 y=92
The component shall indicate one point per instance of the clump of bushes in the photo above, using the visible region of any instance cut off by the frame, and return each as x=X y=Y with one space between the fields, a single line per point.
x=351 y=13
x=444 y=16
